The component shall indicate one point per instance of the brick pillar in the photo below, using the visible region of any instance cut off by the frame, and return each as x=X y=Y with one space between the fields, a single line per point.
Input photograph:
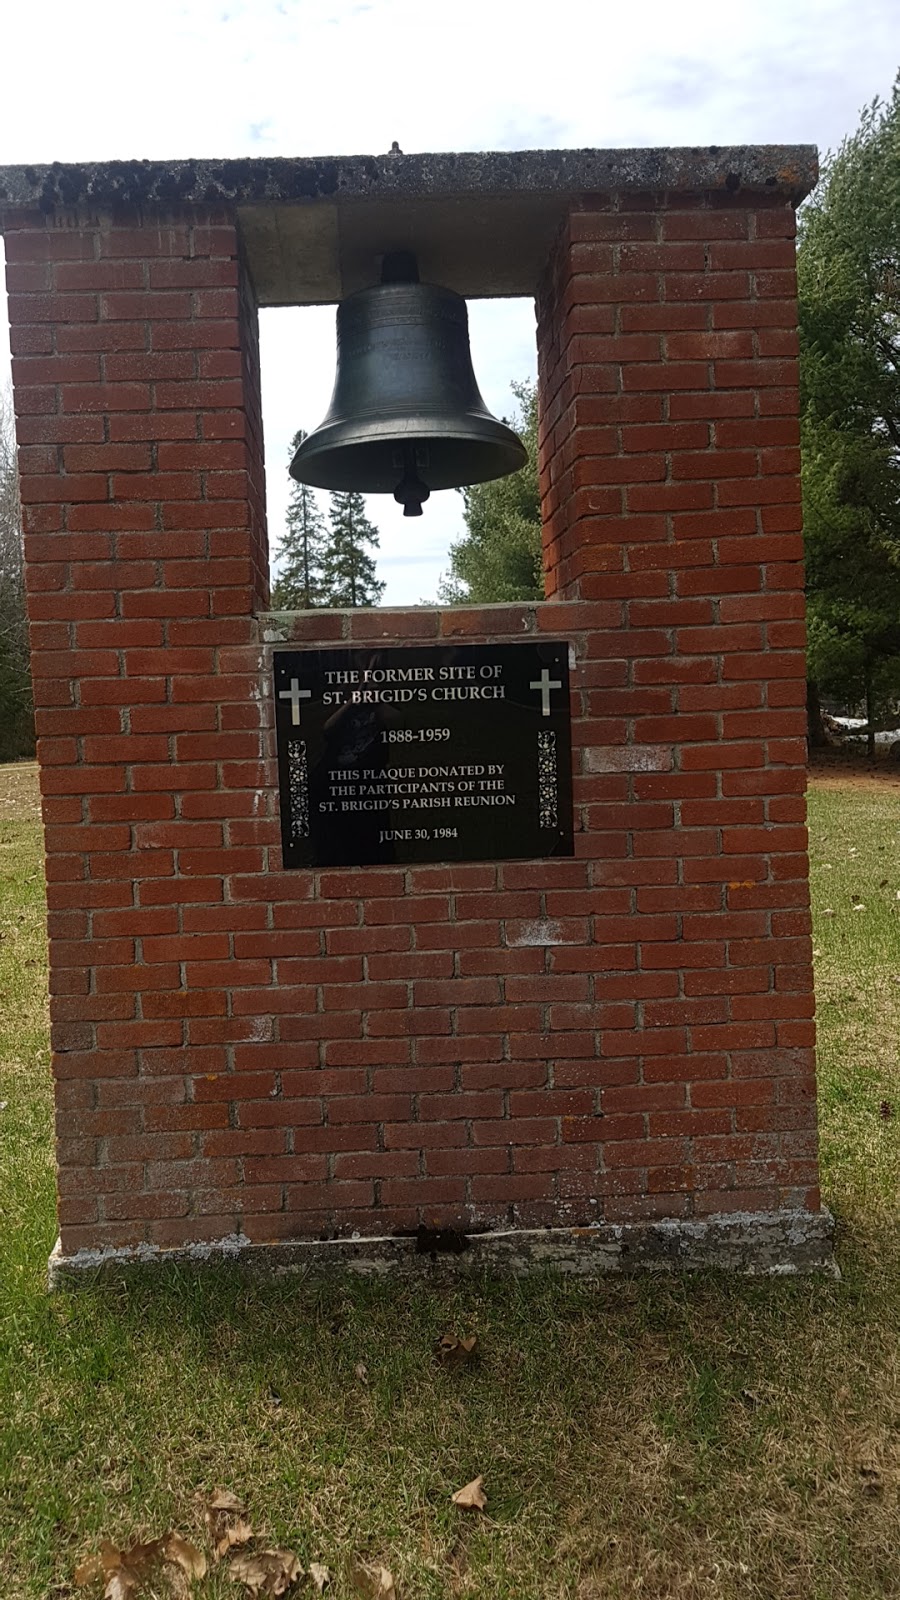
x=137 y=397
x=670 y=484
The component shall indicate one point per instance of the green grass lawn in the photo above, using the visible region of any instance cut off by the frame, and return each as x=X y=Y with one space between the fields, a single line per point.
x=699 y=1438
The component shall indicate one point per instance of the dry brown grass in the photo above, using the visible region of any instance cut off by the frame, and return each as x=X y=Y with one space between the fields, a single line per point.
x=19 y=798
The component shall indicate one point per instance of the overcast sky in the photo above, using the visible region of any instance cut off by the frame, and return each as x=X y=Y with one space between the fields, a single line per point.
x=107 y=79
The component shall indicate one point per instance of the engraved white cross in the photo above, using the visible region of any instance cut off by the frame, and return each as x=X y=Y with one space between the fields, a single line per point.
x=545 y=683
x=295 y=694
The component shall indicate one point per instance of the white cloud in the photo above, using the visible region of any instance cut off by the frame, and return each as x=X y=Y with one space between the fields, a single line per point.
x=194 y=77
x=127 y=78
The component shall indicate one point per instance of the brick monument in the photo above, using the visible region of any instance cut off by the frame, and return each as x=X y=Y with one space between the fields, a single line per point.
x=597 y=1060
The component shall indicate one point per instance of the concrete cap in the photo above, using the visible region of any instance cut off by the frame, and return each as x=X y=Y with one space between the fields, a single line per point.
x=480 y=222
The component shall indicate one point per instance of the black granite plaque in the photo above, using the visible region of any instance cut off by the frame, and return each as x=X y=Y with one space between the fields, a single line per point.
x=426 y=753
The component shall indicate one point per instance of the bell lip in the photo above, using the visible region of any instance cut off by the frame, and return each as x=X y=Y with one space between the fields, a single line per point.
x=502 y=449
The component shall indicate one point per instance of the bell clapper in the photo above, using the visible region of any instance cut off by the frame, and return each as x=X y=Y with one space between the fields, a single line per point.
x=411 y=492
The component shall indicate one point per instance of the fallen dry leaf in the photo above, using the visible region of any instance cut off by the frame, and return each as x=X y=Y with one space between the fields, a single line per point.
x=240 y=1532
x=88 y=1571
x=320 y=1575
x=185 y=1555
x=126 y=1571
x=98 y=1566
x=471 y=1496
x=453 y=1352
x=373 y=1581
x=270 y=1572
x=224 y=1500
x=120 y=1585
x=225 y=1522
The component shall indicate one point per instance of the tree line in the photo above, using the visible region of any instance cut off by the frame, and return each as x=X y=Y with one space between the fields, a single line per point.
x=849 y=284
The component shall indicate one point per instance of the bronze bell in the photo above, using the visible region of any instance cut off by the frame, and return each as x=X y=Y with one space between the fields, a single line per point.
x=406 y=416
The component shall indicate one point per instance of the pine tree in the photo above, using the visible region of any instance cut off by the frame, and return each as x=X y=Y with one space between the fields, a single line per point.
x=300 y=584
x=348 y=571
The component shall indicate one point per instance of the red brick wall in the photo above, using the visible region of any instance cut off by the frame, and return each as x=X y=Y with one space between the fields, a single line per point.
x=669 y=434
x=238 y=1048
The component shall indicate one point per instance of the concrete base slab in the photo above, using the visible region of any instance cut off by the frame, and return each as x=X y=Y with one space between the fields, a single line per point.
x=773 y=1243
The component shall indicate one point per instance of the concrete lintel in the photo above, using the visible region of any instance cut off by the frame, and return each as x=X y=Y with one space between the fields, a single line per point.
x=481 y=222
x=405 y=624
x=767 y=1243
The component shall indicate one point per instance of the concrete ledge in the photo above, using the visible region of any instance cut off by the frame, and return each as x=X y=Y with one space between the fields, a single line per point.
x=767 y=1243
x=480 y=222
x=789 y=169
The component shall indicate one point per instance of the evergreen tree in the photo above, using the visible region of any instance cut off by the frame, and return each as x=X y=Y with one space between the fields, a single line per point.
x=849 y=278
x=301 y=553
x=499 y=556
x=348 y=571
